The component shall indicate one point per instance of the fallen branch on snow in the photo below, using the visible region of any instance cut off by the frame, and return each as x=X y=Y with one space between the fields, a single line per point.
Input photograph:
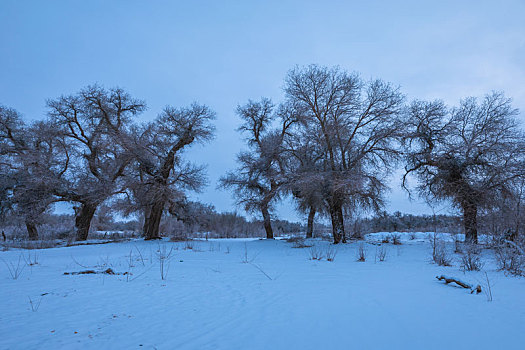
x=460 y=283
x=108 y=271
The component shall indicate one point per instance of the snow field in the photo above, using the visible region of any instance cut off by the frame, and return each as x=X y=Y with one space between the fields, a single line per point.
x=252 y=294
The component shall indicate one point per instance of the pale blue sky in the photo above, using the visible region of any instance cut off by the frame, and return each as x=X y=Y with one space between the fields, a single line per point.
x=223 y=53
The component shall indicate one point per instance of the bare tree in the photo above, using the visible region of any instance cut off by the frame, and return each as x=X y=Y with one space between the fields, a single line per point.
x=470 y=154
x=160 y=175
x=11 y=141
x=258 y=181
x=31 y=163
x=93 y=122
x=358 y=124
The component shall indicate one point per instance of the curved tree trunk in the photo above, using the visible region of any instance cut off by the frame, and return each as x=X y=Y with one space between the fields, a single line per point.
x=83 y=219
x=310 y=226
x=152 y=220
x=267 y=222
x=470 y=222
x=338 y=228
x=32 y=230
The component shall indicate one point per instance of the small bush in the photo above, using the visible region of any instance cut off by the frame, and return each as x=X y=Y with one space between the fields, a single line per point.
x=15 y=270
x=470 y=259
x=412 y=236
x=440 y=254
x=381 y=253
x=395 y=238
x=330 y=253
x=386 y=239
x=32 y=259
x=315 y=253
x=361 y=253
x=189 y=245
x=510 y=260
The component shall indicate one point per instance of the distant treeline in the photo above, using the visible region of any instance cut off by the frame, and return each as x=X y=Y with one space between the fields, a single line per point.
x=197 y=221
x=202 y=220
x=385 y=222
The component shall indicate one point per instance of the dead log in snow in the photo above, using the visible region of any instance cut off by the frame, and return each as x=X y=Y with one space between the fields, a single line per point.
x=108 y=271
x=476 y=289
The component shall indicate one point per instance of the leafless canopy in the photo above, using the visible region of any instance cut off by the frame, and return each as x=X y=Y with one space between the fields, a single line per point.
x=346 y=141
x=93 y=122
x=258 y=181
x=471 y=154
x=160 y=175
x=33 y=159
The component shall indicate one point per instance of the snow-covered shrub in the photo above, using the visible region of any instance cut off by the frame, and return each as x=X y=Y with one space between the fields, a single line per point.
x=510 y=259
x=32 y=258
x=381 y=253
x=412 y=236
x=315 y=253
x=440 y=253
x=15 y=270
x=395 y=238
x=361 y=252
x=330 y=253
x=470 y=258
x=189 y=245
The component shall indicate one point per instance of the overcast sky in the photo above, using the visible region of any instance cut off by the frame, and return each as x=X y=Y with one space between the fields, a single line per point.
x=223 y=53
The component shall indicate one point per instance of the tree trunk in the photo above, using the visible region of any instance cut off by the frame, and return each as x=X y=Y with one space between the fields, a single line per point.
x=470 y=222
x=267 y=222
x=338 y=228
x=32 y=230
x=310 y=226
x=147 y=211
x=152 y=221
x=83 y=220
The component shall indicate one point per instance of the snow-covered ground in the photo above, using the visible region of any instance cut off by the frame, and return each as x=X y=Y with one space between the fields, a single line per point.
x=213 y=299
